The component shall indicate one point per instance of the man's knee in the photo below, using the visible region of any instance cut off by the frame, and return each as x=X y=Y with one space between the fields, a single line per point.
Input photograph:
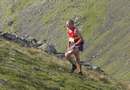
x=67 y=55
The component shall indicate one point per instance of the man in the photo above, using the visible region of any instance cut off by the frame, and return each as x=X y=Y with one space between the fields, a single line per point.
x=75 y=44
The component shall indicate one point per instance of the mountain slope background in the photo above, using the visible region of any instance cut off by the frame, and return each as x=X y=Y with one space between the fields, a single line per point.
x=104 y=25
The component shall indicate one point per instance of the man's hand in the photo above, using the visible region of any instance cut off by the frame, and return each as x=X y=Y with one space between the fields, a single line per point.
x=72 y=47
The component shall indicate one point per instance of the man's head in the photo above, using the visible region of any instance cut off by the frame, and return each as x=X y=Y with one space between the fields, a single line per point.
x=70 y=23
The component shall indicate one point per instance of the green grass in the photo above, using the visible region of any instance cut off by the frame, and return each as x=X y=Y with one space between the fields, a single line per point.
x=91 y=12
x=31 y=69
x=104 y=25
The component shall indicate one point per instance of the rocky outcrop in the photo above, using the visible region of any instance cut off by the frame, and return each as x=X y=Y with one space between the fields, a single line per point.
x=49 y=48
x=28 y=41
x=20 y=40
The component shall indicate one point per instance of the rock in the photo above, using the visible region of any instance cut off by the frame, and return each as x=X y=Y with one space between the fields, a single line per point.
x=21 y=41
x=44 y=47
x=0 y=34
x=94 y=67
x=49 y=48
x=60 y=55
x=38 y=44
x=28 y=41
x=9 y=36
x=91 y=66
x=2 y=81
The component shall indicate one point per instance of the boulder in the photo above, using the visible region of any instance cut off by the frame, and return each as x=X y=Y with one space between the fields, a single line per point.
x=91 y=66
x=49 y=48
x=9 y=36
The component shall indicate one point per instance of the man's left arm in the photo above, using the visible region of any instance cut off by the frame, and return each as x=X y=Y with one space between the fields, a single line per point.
x=81 y=38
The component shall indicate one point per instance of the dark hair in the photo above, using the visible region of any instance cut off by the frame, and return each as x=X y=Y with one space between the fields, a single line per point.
x=70 y=22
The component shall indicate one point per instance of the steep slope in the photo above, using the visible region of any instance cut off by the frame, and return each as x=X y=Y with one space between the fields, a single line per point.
x=45 y=19
x=104 y=25
x=112 y=46
x=30 y=69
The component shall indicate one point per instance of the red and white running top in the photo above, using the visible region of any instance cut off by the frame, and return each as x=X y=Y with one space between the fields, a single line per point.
x=73 y=34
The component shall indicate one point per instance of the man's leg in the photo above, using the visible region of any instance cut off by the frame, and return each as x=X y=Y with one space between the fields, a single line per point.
x=69 y=58
x=77 y=58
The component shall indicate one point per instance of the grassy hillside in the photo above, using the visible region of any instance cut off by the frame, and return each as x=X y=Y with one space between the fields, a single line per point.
x=112 y=46
x=31 y=69
x=45 y=19
x=104 y=25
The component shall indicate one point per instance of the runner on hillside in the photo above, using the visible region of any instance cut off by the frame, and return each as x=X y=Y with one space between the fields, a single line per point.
x=75 y=44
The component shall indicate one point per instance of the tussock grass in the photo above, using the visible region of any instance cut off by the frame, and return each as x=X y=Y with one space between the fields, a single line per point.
x=29 y=69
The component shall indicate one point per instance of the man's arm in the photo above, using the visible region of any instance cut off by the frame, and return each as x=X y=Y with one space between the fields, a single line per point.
x=68 y=45
x=81 y=38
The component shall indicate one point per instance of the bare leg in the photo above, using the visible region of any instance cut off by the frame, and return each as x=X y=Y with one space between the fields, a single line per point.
x=77 y=58
x=68 y=57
